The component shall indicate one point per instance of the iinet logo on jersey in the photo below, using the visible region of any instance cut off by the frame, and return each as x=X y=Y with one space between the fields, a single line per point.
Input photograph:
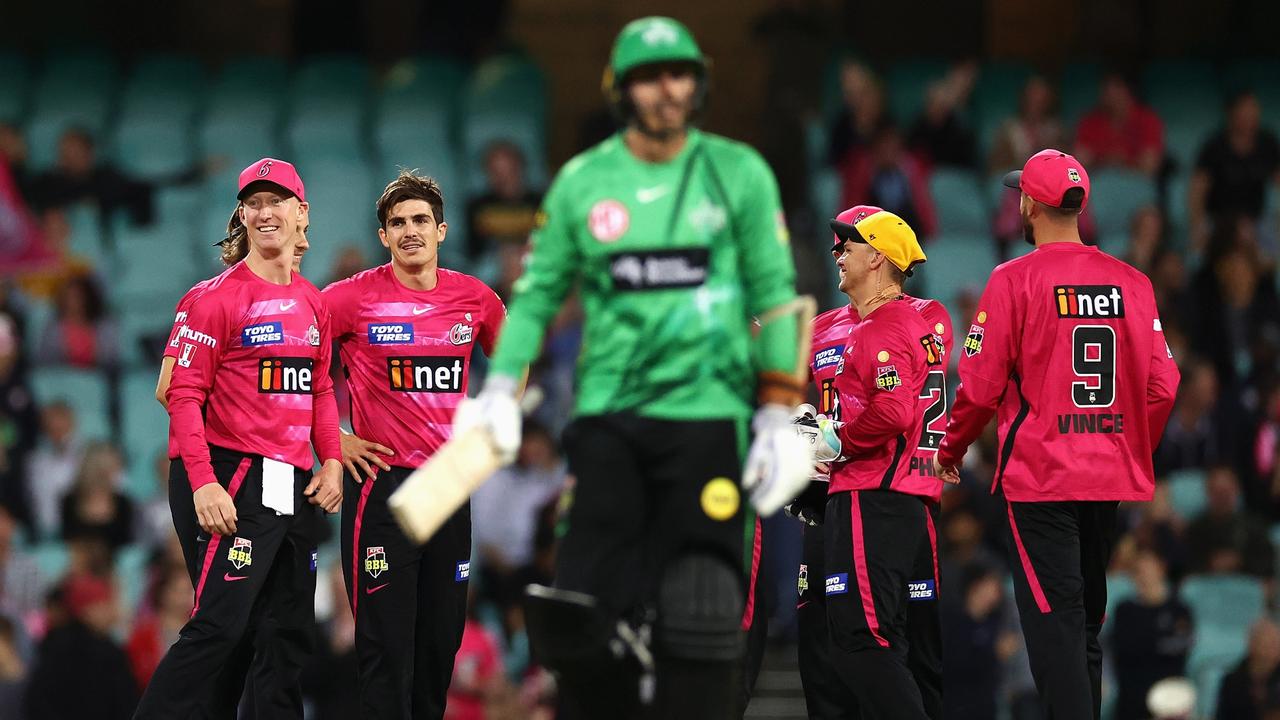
x=1088 y=301
x=284 y=375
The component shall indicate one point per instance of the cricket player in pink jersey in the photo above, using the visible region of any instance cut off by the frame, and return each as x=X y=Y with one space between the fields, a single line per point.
x=406 y=331
x=249 y=399
x=234 y=248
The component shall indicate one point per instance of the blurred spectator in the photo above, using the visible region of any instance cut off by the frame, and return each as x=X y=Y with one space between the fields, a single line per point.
x=1225 y=538
x=13 y=672
x=1254 y=685
x=1201 y=430
x=976 y=646
x=167 y=608
x=477 y=671
x=19 y=423
x=1158 y=529
x=510 y=267
x=1266 y=447
x=1120 y=132
x=81 y=334
x=155 y=522
x=505 y=512
x=1147 y=239
x=1233 y=170
x=96 y=509
x=504 y=213
x=1035 y=127
x=887 y=177
x=52 y=468
x=20 y=586
x=860 y=118
x=46 y=280
x=81 y=176
x=326 y=680
x=1236 y=306
x=21 y=246
x=350 y=260
x=962 y=549
x=940 y=136
x=1151 y=635
x=79 y=653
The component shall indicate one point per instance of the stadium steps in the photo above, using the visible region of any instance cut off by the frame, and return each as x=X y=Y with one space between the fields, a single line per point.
x=778 y=694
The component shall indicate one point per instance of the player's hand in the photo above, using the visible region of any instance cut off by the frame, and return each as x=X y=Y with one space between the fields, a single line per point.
x=780 y=460
x=358 y=454
x=325 y=488
x=948 y=474
x=810 y=506
x=497 y=412
x=820 y=432
x=215 y=510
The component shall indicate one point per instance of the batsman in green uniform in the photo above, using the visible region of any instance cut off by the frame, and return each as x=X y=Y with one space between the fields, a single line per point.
x=676 y=242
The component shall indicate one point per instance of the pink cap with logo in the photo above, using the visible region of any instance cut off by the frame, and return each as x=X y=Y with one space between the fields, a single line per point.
x=1047 y=177
x=274 y=172
x=843 y=223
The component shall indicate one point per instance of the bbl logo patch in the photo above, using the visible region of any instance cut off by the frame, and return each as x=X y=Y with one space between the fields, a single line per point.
x=241 y=553
x=802 y=580
x=375 y=561
x=887 y=378
x=837 y=584
x=973 y=341
x=462 y=572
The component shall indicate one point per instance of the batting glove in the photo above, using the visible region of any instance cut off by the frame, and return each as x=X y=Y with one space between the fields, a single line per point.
x=496 y=411
x=779 y=463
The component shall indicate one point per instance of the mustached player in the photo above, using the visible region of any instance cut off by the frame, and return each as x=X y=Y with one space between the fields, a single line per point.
x=675 y=240
x=406 y=331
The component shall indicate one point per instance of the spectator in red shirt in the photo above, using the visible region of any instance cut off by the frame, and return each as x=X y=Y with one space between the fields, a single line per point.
x=168 y=609
x=886 y=176
x=81 y=334
x=477 y=672
x=1120 y=132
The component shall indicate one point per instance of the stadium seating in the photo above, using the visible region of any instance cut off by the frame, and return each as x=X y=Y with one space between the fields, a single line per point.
x=15 y=86
x=905 y=83
x=1115 y=195
x=1187 y=492
x=1223 y=607
x=156 y=263
x=146 y=428
x=960 y=202
x=1078 y=91
x=328 y=102
x=75 y=89
x=995 y=97
x=956 y=262
x=85 y=391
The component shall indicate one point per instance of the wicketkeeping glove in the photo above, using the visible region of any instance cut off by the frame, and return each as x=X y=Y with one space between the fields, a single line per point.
x=497 y=412
x=820 y=433
x=780 y=461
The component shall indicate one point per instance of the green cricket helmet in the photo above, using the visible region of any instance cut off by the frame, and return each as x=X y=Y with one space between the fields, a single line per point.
x=649 y=41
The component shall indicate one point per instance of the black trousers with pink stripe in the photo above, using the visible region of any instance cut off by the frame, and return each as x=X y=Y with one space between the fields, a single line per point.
x=1059 y=552
x=269 y=564
x=873 y=542
x=409 y=601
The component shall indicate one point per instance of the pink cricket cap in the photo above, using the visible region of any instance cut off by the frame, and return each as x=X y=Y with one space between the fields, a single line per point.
x=842 y=224
x=1047 y=177
x=275 y=172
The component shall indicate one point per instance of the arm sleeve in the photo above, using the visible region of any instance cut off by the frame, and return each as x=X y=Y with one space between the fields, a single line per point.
x=551 y=270
x=190 y=387
x=171 y=348
x=986 y=363
x=324 y=406
x=1162 y=384
x=495 y=313
x=768 y=272
x=340 y=308
x=890 y=411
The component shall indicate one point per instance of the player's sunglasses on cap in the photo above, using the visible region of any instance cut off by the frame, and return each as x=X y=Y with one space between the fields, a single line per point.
x=1047 y=177
x=268 y=173
x=889 y=234
x=849 y=218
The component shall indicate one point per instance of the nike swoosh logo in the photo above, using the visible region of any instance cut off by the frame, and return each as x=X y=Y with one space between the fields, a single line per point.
x=648 y=195
x=419 y=311
x=372 y=590
x=232 y=578
x=286 y=307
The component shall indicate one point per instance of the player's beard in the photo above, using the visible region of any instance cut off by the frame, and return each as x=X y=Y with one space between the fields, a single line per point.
x=664 y=132
x=1028 y=232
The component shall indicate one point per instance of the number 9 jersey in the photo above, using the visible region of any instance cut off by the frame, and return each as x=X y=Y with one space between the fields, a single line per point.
x=1067 y=347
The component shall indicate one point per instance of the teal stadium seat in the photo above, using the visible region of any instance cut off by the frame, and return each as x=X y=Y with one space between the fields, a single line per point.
x=505 y=99
x=905 y=83
x=1223 y=607
x=242 y=116
x=1259 y=76
x=1115 y=195
x=342 y=196
x=956 y=262
x=75 y=89
x=996 y=97
x=52 y=559
x=1183 y=137
x=1078 y=92
x=87 y=239
x=1120 y=588
x=145 y=428
x=1187 y=492
x=84 y=390
x=957 y=194
x=131 y=577
x=328 y=101
x=15 y=86
x=1184 y=90
x=155 y=264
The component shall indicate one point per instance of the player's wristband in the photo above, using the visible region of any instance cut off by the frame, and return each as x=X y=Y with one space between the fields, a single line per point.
x=774 y=387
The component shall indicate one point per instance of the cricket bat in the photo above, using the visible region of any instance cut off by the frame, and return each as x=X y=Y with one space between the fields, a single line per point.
x=433 y=492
